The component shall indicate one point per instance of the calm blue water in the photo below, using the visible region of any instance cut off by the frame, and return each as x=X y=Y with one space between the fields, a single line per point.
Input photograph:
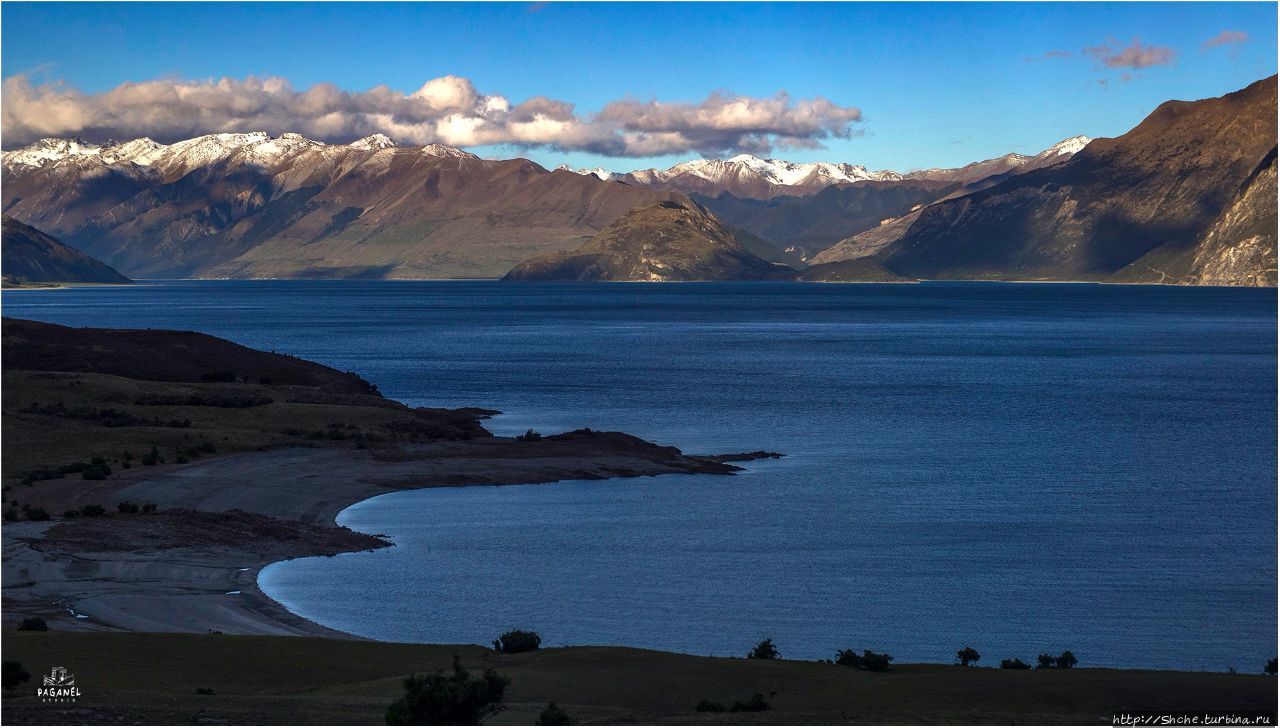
x=1023 y=468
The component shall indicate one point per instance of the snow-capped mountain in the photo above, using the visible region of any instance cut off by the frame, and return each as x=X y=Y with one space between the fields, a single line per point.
x=599 y=172
x=750 y=177
x=258 y=149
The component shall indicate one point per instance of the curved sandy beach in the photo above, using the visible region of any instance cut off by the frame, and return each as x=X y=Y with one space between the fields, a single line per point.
x=211 y=585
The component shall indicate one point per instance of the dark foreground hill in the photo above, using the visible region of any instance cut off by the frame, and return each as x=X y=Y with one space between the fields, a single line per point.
x=153 y=678
x=668 y=241
x=30 y=255
x=1187 y=196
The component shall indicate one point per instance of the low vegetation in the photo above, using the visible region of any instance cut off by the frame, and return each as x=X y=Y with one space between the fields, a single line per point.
x=517 y=640
x=764 y=651
x=868 y=660
x=554 y=715
x=448 y=698
x=14 y=674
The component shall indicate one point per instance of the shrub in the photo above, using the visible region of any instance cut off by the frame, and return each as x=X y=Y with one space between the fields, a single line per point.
x=14 y=674
x=868 y=660
x=11 y=514
x=554 y=715
x=92 y=511
x=148 y=507
x=1066 y=660
x=1270 y=669
x=96 y=471
x=529 y=436
x=706 y=706
x=181 y=460
x=967 y=656
x=1014 y=664
x=1047 y=661
x=453 y=698
x=204 y=691
x=764 y=651
x=756 y=704
x=875 y=662
x=153 y=457
x=34 y=624
x=37 y=514
x=517 y=640
x=70 y=513
x=848 y=658
x=127 y=507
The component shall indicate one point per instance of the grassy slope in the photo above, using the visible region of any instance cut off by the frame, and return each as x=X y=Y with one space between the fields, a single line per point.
x=152 y=678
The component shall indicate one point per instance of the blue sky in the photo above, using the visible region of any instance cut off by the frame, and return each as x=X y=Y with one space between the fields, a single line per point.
x=937 y=84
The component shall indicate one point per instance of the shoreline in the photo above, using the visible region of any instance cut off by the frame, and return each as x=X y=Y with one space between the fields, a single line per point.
x=211 y=586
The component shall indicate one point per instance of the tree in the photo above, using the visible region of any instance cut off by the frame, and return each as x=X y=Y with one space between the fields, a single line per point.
x=1066 y=660
x=1270 y=669
x=1047 y=661
x=764 y=651
x=14 y=674
x=967 y=655
x=453 y=698
x=554 y=715
x=517 y=640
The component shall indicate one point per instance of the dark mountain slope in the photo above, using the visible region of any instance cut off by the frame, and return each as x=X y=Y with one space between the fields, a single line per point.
x=1154 y=192
x=33 y=256
x=816 y=221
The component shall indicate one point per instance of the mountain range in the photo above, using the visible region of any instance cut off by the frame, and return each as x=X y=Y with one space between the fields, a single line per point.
x=1187 y=196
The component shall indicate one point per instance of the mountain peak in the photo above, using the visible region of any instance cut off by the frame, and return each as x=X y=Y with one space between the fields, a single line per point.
x=374 y=141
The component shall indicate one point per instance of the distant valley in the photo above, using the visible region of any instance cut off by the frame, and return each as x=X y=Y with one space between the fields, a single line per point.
x=1188 y=196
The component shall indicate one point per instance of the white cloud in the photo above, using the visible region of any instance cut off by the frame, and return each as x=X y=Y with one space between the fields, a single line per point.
x=448 y=110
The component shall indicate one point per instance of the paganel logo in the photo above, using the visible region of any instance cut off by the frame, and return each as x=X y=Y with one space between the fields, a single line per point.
x=59 y=687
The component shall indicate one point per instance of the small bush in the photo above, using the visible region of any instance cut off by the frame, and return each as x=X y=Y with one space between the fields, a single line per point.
x=37 y=514
x=127 y=507
x=868 y=660
x=764 y=651
x=875 y=661
x=517 y=640
x=554 y=715
x=148 y=507
x=71 y=513
x=204 y=691
x=34 y=624
x=1014 y=664
x=453 y=698
x=706 y=706
x=96 y=472
x=14 y=674
x=756 y=704
x=529 y=436
x=91 y=511
x=153 y=457
x=967 y=656
x=11 y=514
x=181 y=460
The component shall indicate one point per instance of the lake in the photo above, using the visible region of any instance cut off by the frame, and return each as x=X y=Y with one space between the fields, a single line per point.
x=1023 y=468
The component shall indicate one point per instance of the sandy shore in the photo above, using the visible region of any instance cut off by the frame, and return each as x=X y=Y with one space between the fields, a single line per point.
x=112 y=581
